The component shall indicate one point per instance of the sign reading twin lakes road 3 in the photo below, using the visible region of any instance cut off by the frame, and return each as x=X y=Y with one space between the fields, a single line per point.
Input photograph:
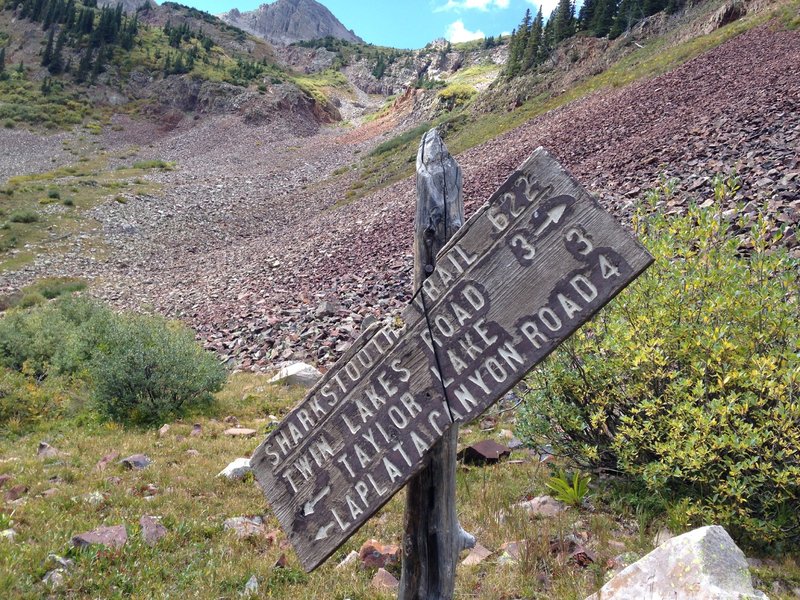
x=533 y=264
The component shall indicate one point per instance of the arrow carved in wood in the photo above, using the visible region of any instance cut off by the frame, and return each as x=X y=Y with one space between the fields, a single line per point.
x=553 y=217
x=308 y=508
x=323 y=531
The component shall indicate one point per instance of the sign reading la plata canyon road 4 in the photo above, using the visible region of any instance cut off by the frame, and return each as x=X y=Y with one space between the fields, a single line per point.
x=532 y=265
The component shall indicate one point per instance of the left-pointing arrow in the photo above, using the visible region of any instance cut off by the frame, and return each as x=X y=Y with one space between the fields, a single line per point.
x=308 y=507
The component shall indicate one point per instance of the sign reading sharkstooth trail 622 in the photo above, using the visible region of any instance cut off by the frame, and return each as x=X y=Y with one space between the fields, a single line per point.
x=533 y=264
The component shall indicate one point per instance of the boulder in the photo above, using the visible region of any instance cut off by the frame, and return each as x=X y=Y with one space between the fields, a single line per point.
x=704 y=564
x=240 y=432
x=45 y=450
x=135 y=461
x=237 y=469
x=164 y=430
x=8 y=534
x=385 y=581
x=111 y=537
x=373 y=554
x=299 y=373
x=16 y=492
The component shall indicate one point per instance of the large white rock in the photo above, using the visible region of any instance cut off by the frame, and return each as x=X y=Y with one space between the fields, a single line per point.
x=704 y=564
x=297 y=374
x=237 y=469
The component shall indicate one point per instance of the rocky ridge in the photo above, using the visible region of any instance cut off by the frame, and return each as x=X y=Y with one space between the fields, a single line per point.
x=288 y=21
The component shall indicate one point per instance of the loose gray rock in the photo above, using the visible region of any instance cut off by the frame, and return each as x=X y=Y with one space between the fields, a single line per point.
x=152 y=530
x=112 y=537
x=8 y=534
x=325 y=309
x=237 y=469
x=55 y=578
x=240 y=432
x=299 y=373
x=136 y=461
x=476 y=556
x=704 y=564
x=384 y=580
x=245 y=527
x=543 y=506
x=350 y=559
x=251 y=587
x=45 y=450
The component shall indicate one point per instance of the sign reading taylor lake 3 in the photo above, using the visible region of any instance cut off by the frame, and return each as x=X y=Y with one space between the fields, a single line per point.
x=524 y=272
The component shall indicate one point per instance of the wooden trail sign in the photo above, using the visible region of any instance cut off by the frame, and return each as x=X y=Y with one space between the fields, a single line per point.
x=531 y=266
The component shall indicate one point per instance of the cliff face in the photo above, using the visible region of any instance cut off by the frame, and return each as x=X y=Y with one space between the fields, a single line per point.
x=288 y=21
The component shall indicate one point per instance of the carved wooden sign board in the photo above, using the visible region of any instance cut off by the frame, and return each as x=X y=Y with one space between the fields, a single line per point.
x=532 y=265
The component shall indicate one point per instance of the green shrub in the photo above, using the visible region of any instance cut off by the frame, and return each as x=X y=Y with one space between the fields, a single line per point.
x=24 y=216
x=31 y=299
x=54 y=194
x=154 y=164
x=57 y=338
x=140 y=369
x=147 y=371
x=690 y=382
x=456 y=94
x=23 y=400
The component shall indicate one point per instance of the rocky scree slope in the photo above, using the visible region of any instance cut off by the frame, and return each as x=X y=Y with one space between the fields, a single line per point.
x=247 y=241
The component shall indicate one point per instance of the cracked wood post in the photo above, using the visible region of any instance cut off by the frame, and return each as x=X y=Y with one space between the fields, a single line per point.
x=433 y=538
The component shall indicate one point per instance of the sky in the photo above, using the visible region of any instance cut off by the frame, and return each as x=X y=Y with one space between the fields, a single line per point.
x=412 y=23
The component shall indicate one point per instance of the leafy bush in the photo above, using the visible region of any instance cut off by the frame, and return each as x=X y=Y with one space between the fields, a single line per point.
x=147 y=370
x=23 y=401
x=141 y=369
x=456 y=94
x=690 y=382
x=24 y=216
x=154 y=164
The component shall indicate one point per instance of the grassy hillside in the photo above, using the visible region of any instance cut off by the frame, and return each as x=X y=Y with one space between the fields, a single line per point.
x=54 y=69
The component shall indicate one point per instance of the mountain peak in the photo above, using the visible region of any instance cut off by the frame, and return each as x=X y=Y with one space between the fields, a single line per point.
x=288 y=21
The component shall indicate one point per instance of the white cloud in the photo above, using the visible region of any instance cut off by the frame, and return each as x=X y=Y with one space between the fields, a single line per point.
x=548 y=6
x=482 y=5
x=456 y=32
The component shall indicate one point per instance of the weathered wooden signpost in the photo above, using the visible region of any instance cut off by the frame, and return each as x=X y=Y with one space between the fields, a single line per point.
x=532 y=265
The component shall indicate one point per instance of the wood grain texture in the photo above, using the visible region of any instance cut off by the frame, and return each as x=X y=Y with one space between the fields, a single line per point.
x=521 y=275
x=433 y=537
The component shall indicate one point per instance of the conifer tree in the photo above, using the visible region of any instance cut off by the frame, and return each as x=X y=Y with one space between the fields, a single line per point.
x=533 y=50
x=563 y=23
x=48 y=51
x=56 y=65
x=99 y=63
x=84 y=65
x=2 y=60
